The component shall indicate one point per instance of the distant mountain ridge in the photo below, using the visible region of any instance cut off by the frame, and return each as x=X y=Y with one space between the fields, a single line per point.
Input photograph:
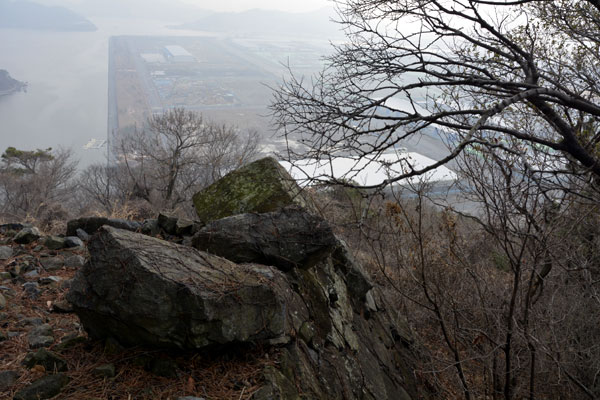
x=28 y=15
x=315 y=23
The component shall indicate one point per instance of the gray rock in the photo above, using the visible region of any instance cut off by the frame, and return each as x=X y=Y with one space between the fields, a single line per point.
x=167 y=223
x=52 y=263
x=105 y=371
x=73 y=241
x=6 y=252
x=7 y=228
x=150 y=227
x=8 y=291
x=40 y=336
x=27 y=235
x=2 y=302
x=8 y=379
x=43 y=388
x=32 y=290
x=286 y=239
x=188 y=300
x=48 y=280
x=81 y=234
x=75 y=261
x=62 y=307
x=91 y=224
x=31 y=321
x=33 y=274
x=50 y=361
x=54 y=242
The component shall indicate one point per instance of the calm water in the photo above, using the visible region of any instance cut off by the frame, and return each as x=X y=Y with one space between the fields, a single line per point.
x=66 y=101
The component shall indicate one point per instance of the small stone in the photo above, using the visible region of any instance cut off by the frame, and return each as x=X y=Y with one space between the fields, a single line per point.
x=32 y=321
x=52 y=263
x=6 y=252
x=105 y=371
x=40 y=336
x=38 y=248
x=2 y=302
x=8 y=379
x=73 y=241
x=49 y=280
x=62 y=307
x=3 y=316
x=81 y=234
x=74 y=261
x=54 y=242
x=47 y=359
x=10 y=292
x=27 y=235
x=32 y=290
x=33 y=274
x=12 y=334
x=69 y=341
x=5 y=275
x=44 y=388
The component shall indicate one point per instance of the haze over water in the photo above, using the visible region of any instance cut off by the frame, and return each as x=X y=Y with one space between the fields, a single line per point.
x=66 y=100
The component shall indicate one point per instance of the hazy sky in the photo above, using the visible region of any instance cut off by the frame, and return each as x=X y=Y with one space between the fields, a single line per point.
x=217 y=5
x=238 y=5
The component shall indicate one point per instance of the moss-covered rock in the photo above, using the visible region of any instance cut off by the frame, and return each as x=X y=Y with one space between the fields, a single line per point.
x=261 y=186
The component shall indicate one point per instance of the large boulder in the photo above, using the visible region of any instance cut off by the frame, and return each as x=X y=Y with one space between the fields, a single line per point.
x=260 y=187
x=286 y=239
x=145 y=291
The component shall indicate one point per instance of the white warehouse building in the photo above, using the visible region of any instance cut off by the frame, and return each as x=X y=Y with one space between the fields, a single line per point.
x=178 y=54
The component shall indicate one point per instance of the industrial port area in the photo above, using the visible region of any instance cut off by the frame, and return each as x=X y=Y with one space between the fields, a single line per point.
x=228 y=80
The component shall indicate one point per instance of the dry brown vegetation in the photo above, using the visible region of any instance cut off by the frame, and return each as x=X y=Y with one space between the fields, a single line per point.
x=503 y=311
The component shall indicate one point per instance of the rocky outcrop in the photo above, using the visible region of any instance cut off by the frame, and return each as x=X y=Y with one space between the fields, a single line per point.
x=145 y=291
x=262 y=186
x=277 y=275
